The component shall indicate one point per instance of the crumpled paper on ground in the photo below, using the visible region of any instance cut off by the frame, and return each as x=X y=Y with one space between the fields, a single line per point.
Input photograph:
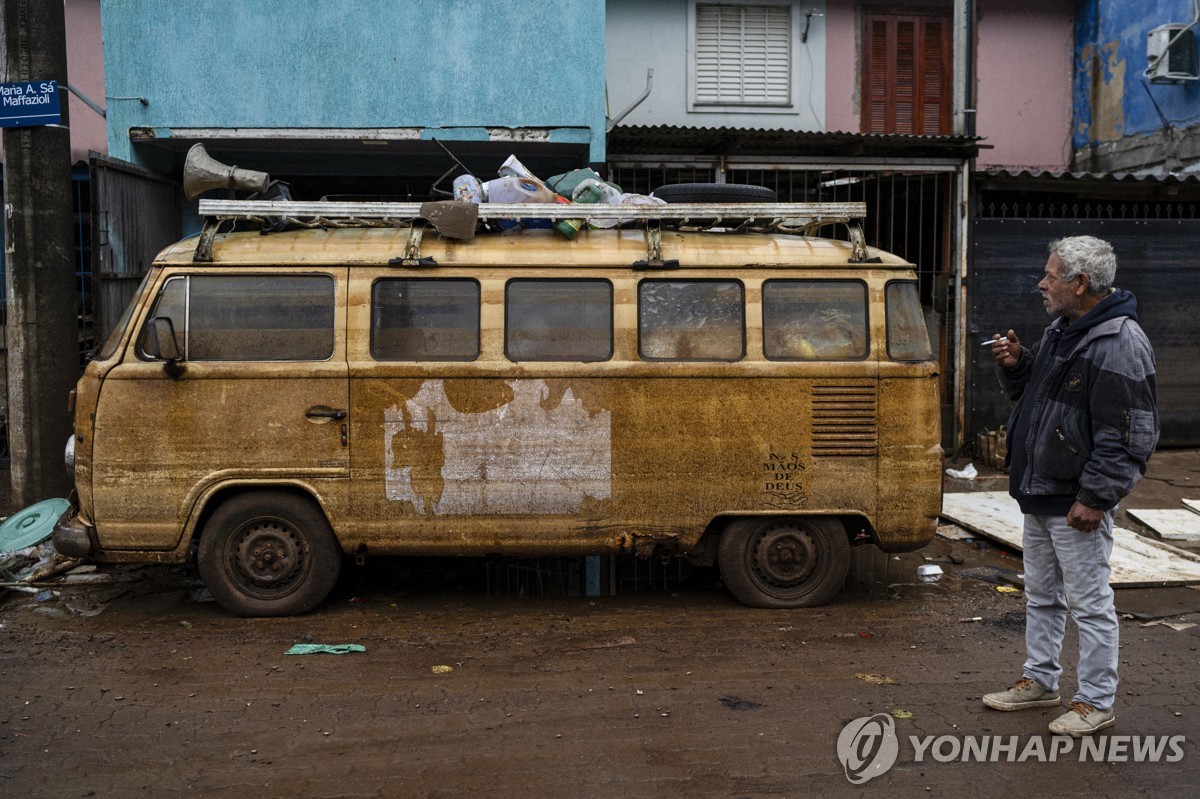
x=968 y=472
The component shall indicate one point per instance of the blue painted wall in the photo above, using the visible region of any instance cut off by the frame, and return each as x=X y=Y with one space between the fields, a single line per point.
x=1110 y=57
x=451 y=64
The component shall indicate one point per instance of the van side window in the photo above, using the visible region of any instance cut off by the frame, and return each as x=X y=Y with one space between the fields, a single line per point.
x=171 y=304
x=907 y=337
x=558 y=320
x=691 y=320
x=250 y=317
x=810 y=320
x=425 y=319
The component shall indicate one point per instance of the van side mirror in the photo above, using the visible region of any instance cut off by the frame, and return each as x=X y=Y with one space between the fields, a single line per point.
x=161 y=343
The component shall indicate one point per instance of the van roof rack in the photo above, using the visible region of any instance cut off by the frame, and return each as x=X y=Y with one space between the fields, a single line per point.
x=803 y=218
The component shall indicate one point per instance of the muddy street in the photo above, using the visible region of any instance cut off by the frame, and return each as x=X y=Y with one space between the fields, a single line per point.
x=667 y=691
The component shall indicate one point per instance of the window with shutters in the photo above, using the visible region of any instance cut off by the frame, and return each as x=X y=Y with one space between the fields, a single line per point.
x=906 y=73
x=741 y=55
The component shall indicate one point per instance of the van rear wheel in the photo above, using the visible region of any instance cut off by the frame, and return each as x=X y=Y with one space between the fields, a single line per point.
x=269 y=554
x=784 y=562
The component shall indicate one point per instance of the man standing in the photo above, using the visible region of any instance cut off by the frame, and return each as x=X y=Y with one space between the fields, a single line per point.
x=1079 y=437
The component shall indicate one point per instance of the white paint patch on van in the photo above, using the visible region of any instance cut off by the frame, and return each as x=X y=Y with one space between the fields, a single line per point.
x=519 y=458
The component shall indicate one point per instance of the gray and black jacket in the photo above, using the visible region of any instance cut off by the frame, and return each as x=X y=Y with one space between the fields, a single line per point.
x=1086 y=419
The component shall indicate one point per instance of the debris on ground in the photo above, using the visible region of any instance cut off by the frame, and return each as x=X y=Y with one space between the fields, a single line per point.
x=84 y=589
x=31 y=526
x=624 y=640
x=968 y=472
x=1168 y=524
x=325 y=649
x=876 y=679
x=442 y=669
x=1177 y=626
x=993 y=574
x=1157 y=603
x=952 y=532
x=929 y=572
x=901 y=713
x=1136 y=560
x=27 y=565
x=734 y=703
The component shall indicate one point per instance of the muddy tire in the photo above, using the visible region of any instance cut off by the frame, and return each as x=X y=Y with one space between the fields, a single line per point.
x=268 y=553
x=784 y=562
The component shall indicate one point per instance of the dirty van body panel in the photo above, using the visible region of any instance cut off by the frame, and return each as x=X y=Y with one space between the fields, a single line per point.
x=87 y=395
x=909 y=484
x=535 y=466
x=621 y=455
x=161 y=444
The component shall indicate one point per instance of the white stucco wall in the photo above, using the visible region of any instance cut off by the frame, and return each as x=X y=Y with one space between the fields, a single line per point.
x=654 y=34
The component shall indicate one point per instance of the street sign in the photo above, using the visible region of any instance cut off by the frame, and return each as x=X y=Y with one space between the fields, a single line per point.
x=29 y=103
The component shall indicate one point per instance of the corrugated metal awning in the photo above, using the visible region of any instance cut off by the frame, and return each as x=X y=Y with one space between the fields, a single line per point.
x=636 y=140
x=1089 y=177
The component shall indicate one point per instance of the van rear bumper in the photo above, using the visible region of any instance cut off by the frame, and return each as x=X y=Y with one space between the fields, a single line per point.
x=72 y=537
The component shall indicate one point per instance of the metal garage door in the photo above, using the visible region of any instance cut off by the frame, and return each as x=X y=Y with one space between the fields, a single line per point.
x=1158 y=260
x=135 y=213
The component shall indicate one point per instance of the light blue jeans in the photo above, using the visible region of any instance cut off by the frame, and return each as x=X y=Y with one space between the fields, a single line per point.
x=1069 y=570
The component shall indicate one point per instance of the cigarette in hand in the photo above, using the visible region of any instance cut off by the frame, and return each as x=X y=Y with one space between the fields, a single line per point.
x=989 y=342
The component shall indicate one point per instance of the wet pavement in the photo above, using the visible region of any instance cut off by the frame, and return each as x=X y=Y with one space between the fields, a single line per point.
x=482 y=678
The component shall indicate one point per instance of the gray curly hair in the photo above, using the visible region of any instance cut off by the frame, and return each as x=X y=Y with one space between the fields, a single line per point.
x=1090 y=256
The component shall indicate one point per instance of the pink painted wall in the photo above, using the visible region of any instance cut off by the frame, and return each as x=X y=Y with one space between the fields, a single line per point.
x=1024 y=76
x=1023 y=73
x=85 y=71
x=841 y=67
x=85 y=68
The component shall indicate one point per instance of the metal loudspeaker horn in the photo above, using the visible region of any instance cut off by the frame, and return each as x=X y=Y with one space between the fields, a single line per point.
x=202 y=172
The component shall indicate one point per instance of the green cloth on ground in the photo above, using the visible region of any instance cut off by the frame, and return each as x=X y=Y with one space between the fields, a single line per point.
x=328 y=649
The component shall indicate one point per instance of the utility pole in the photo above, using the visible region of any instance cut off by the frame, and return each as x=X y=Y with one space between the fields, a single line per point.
x=42 y=327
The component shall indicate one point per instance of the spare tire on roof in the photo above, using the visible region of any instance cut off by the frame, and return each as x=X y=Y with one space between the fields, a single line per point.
x=721 y=193
x=714 y=193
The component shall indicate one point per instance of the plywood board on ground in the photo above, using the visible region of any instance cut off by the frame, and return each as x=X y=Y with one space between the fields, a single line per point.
x=1136 y=561
x=1171 y=525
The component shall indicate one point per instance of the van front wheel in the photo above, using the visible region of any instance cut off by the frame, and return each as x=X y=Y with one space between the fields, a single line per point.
x=784 y=563
x=268 y=554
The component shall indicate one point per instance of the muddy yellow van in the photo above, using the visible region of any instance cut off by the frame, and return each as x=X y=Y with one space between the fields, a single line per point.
x=697 y=382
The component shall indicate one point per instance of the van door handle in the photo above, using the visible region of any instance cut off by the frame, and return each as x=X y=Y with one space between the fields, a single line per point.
x=323 y=412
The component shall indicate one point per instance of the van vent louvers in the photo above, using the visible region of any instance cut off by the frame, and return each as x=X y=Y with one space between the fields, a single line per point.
x=843 y=421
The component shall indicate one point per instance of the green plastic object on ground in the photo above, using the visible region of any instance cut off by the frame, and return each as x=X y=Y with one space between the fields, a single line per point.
x=325 y=649
x=31 y=526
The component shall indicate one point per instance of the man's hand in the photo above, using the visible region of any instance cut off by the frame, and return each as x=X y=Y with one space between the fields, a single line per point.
x=1007 y=354
x=1083 y=518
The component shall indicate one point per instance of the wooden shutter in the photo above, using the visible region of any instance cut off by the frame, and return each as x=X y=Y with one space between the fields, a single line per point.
x=906 y=74
x=743 y=55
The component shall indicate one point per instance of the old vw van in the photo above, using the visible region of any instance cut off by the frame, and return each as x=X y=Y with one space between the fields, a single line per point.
x=271 y=404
